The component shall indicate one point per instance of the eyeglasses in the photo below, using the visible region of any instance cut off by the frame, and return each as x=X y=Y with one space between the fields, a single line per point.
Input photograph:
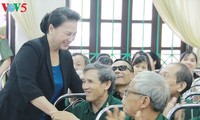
x=121 y=68
x=126 y=92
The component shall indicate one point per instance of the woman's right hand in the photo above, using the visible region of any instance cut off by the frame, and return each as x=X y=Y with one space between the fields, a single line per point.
x=62 y=115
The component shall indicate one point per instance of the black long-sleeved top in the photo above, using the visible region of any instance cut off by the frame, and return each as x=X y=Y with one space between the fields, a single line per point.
x=31 y=77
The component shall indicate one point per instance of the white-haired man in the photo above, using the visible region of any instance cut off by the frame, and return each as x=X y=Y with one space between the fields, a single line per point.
x=144 y=99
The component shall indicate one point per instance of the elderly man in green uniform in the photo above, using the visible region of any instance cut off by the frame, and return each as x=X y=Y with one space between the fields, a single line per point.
x=5 y=54
x=98 y=82
x=144 y=99
x=179 y=79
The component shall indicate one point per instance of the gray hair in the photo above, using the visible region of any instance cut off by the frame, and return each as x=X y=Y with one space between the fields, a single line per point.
x=183 y=75
x=105 y=73
x=155 y=87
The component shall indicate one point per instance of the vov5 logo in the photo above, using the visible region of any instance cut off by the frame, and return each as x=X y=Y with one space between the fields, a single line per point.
x=11 y=7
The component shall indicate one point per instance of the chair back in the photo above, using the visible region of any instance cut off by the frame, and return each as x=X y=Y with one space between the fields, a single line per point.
x=70 y=99
x=194 y=96
x=105 y=109
x=172 y=112
x=3 y=78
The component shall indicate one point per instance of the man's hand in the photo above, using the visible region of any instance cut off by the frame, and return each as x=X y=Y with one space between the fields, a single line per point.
x=138 y=115
x=116 y=115
x=169 y=106
x=62 y=115
x=180 y=114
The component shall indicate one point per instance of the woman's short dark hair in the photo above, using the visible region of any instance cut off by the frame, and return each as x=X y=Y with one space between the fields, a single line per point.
x=138 y=53
x=156 y=58
x=143 y=54
x=57 y=17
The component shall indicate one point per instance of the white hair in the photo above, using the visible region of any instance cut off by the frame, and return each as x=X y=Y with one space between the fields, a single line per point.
x=155 y=87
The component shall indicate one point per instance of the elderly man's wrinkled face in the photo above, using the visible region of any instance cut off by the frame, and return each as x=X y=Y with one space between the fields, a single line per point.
x=79 y=62
x=169 y=73
x=132 y=100
x=123 y=72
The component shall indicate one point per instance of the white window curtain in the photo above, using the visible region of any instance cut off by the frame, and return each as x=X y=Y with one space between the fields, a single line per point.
x=28 y=19
x=182 y=16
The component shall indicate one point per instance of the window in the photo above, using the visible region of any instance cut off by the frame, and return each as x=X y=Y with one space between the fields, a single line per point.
x=141 y=35
x=122 y=27
x=2 y=18
x=82 y=36
x=110 y=35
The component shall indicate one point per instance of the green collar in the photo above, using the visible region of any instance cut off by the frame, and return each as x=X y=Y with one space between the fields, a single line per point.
x=88 y=107
x=161 y=117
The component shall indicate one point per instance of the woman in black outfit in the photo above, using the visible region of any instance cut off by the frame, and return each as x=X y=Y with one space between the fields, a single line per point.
x=42 y=70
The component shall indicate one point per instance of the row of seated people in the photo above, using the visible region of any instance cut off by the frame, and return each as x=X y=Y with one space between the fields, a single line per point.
x=42 y=70
x=141 y=61
x=121 y=68
x=145 y=95
x=187 y=56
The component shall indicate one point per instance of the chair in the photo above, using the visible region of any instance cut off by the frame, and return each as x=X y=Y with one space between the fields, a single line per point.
x=3 y=78
x=196 y=81
x=178 y=107
x=193 y=91
x=105 y=109
x=196 y=70
x=192 y=96
x=157 y=70
x=78 y=98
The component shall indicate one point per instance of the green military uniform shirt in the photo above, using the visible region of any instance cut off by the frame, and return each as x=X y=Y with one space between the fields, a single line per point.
x=159 y=117
x=5 y=51
x=84 y=109
x=116 y=94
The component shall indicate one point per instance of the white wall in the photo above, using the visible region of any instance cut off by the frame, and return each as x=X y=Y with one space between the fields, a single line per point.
x=42 y=7
x=20 y=37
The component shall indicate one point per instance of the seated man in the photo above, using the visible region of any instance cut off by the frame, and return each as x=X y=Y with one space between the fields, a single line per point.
x=124 y=73
x=5 y=54
x=5 y=58
x=144 y=99
x=80 y=61
x=98 y=82
x=179 y=78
